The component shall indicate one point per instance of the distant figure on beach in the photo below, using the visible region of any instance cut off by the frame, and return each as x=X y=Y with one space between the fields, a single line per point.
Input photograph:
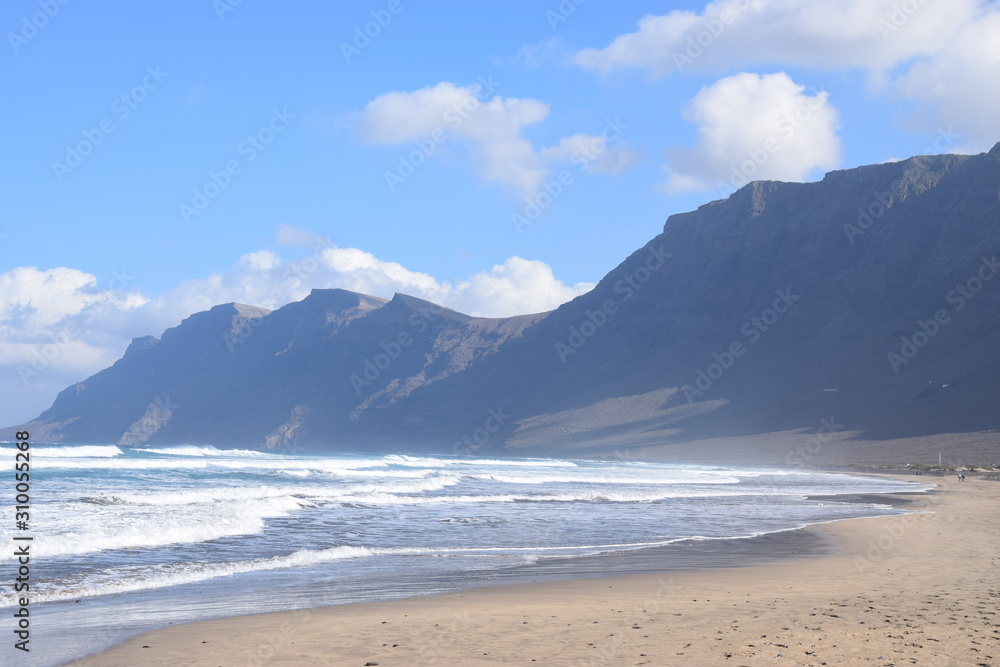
x=961 y=476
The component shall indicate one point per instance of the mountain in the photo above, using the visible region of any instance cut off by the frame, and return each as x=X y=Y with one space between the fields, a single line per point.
x=854 y=319
x=237 y=374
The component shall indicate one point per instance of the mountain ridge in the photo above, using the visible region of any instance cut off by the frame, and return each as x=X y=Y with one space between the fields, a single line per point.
x=748 y=327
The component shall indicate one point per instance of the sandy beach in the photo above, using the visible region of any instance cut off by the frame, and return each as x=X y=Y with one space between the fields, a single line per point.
x=914 y=589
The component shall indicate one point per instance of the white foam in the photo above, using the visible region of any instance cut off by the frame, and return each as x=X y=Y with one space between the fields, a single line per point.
x=254 y=461
x=134 y=526
x=189 y=463
x=206 y=450
x=602 y=477
x=76 y=451
x=208 y=495
x=592 y=495
x=529 y=463
x=369 y=474
x=130 y=579
x=202 y=495
x=405 y=460
x=125 y=499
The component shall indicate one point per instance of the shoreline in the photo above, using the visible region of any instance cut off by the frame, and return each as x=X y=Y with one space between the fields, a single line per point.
x=920 y=586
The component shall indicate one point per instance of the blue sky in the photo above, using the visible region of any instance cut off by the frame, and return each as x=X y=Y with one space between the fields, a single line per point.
x=119 y=217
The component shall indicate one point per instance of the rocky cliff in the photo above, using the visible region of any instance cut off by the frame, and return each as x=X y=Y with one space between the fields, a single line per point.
x=851 y=319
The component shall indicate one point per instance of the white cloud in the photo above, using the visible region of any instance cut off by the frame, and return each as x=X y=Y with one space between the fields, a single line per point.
x=262 y=260
x=753 y=127
x=535 y=56
x=938 y=54
x=33 y=300
x=957 y=88
x=290 y=235
x=827 y=34
x=516 y=286
x=58 y=326
x=652 y=46
x=360 y=271
x=491 y=130
x=592 y=153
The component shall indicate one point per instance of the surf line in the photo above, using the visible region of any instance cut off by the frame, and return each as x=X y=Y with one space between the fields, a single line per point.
x=22 y=543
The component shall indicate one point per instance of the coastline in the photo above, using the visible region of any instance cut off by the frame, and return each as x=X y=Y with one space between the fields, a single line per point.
x=921 y=586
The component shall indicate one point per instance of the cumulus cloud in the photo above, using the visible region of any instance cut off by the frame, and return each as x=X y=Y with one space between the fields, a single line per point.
x=936 y=54
x=45 y=314
x=58 y=326
x=591 y=153
x=956 y=88
x=490 y=129
x=753 y=127
x=828 y=34
x=33 y=300
x=516 y=286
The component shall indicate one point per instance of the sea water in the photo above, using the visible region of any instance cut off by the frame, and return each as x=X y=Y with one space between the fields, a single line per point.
x=127 y=540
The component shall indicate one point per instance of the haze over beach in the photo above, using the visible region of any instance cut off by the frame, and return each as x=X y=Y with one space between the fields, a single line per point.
x=506 y=333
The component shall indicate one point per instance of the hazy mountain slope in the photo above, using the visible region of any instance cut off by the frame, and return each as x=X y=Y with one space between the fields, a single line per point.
x=238 y=375
x=852 y=292
x=864 y=304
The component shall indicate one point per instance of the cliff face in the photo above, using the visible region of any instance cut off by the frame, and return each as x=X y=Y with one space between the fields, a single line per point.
x=240 y=375
x=855 y=318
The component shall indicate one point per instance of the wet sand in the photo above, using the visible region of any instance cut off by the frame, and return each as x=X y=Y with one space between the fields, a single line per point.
x=914 y=589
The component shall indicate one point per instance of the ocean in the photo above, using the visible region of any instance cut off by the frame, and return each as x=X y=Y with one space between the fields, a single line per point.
x=128 y=540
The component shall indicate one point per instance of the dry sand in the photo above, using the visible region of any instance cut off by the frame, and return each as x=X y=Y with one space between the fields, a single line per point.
x=917 y=589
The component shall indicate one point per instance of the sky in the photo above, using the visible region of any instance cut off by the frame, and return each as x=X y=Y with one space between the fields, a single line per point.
x=495 y=157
